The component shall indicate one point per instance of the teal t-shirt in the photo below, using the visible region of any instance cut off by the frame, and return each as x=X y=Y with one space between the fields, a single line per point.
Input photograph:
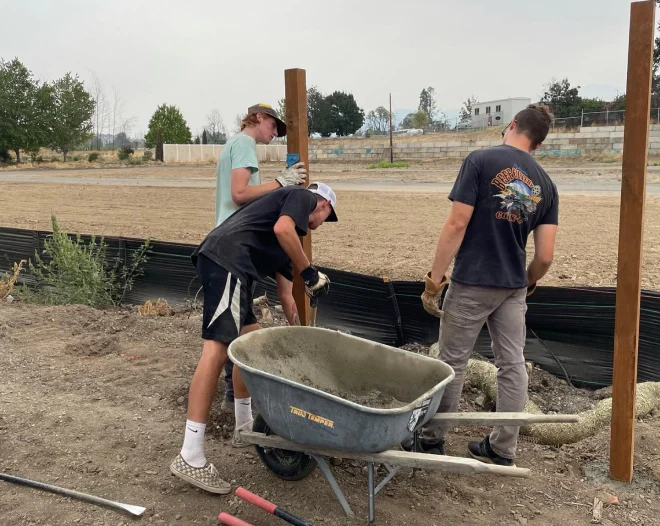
x=239 y=152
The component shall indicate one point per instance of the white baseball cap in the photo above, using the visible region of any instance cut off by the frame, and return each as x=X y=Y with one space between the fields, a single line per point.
x=326 y=192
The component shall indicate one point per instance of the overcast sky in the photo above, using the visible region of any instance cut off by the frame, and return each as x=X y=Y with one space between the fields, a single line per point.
x=205 y=54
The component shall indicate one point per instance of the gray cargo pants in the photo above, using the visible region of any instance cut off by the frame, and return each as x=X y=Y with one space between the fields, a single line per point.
x=466 y=309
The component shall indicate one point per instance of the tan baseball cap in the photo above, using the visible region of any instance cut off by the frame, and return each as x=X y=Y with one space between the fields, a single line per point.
x=268 y=110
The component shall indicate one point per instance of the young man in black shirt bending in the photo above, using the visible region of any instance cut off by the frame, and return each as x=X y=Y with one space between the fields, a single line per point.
x=501 y=195
x=259 y=240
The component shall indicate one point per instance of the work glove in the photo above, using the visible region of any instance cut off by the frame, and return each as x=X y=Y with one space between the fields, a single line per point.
x=316 y=282
x=432 y=295
x=292 y=175
x=531 y=288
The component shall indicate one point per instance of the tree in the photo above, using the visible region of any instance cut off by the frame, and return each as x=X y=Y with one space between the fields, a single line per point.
x=121 y=140
x=215 y=128
x=100 y=109
x=318 y=112
x=170 y=122
x=347 y=117
x=281 y=109
x=655 y=86
x=196 y=141
x=563 y=100
x=72 y=110
x=466 y=110
x=205 y=137
x=238 y=122
x=378 y=120
x=419 y=119
x=407 y=121
x=23 y=107
x=427 y=102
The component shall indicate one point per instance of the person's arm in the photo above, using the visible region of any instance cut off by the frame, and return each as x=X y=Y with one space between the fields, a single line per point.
x=243 y=192
x=285 y=293
x=287 y=236
x=451 y=237
x=544 y=248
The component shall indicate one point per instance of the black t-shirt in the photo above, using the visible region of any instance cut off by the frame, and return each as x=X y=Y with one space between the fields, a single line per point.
x=511 y=195
x=245 y=244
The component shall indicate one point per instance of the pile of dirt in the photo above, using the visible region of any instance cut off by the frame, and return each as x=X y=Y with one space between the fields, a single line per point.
x=96 y=345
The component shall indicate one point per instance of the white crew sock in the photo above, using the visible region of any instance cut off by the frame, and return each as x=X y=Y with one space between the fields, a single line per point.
x=193 y=444
x=243 y=411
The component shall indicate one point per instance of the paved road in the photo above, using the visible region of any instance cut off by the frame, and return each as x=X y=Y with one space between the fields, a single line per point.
x=570 y=187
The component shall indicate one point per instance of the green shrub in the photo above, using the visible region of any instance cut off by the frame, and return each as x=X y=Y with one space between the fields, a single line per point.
x=134 y=162
x=76 y=158
x=80 y=273
x=93 y=157
x=148 y=155
x=387 y=164
x=125 y=152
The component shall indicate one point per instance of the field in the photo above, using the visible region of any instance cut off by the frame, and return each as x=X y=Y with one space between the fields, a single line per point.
x=95 y=400
x=389 y=219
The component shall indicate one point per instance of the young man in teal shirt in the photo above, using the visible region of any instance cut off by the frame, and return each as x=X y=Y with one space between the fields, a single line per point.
x=238 y=181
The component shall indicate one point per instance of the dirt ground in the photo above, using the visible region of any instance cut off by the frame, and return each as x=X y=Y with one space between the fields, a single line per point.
x=95 y=401
x=389 y=219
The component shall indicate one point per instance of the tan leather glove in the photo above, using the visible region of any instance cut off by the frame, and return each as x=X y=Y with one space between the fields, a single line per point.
x=432 y=295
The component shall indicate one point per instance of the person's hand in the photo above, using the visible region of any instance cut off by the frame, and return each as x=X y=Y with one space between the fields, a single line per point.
x=531 y=288
x=316 y=282
x=292 y=175
x=433 y=294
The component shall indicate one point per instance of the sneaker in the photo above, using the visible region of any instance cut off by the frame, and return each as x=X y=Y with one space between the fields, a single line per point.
x=482 y=451
x=436 y=448
x=236 y=439
x=206 y=478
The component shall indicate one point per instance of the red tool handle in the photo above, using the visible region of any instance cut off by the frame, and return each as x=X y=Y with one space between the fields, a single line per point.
x=230 y=520
x=270 y=507
x=258 y=501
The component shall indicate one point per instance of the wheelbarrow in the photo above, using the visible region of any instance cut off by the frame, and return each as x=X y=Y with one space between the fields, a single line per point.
x=323 y=393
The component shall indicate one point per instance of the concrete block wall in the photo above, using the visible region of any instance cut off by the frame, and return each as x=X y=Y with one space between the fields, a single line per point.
x=588 y=141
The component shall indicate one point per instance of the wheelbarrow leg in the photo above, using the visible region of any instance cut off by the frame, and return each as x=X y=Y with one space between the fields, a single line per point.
x=372 y=494
x=333 y=483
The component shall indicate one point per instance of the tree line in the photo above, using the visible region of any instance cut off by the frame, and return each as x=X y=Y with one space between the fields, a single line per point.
x=36 y=114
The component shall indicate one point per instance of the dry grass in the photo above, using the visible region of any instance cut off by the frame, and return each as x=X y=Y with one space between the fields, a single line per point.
x=160 y=308
x=8 y=282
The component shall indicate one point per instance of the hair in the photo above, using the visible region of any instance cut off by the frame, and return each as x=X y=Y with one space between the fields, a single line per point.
x=249 y=120
x=534 y=121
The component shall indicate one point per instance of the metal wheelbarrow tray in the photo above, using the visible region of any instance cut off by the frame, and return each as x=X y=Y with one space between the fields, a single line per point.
x=324 y=388
x=329 y=394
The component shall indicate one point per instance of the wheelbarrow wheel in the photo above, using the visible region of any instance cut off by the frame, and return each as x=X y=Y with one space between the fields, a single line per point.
x=286 y=465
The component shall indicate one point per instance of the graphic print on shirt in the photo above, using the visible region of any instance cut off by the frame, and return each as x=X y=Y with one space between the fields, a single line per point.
x=518 y=194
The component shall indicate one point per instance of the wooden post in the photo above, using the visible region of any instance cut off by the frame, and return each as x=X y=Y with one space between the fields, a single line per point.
x=296 y=132
x=631 y=229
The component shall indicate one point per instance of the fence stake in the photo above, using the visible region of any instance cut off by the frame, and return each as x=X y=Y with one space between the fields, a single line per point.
x=582 y=119
x=295 y=91
x=631 y=234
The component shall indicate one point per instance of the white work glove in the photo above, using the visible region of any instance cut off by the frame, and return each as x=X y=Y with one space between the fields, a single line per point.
x=316 y=282
x=293 y=175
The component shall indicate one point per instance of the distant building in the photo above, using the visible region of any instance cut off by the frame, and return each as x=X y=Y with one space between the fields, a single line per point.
x=497 y=112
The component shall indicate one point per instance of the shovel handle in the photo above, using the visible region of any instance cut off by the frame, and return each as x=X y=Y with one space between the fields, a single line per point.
x=230 y=520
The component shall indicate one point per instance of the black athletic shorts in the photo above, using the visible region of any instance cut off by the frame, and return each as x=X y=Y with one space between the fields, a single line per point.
x=227 y=302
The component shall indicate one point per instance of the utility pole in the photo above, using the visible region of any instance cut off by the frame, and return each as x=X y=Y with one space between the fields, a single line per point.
x=391 y=148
